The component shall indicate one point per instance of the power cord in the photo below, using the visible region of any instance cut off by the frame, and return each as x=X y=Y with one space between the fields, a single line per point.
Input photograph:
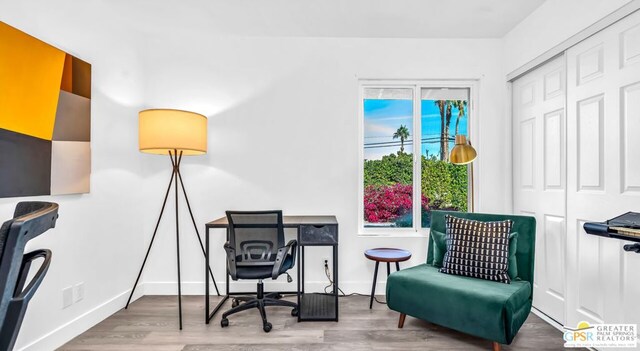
x=327 y=272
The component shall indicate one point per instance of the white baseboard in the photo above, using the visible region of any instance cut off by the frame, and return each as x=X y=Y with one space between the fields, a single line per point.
x=547 y=319
x=82 y=323
x=197 y=288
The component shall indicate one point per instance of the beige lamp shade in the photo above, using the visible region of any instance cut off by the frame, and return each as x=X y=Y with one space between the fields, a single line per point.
x=163 y=130
x=462 y=153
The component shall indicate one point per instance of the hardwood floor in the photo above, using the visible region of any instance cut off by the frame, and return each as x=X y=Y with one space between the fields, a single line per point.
x=151 y=323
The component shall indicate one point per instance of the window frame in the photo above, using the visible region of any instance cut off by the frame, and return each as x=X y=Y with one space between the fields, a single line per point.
x=472 y=127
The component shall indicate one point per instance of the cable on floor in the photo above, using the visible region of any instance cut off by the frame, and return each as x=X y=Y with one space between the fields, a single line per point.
x=342 y=294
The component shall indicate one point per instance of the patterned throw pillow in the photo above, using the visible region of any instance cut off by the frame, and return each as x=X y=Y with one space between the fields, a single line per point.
x=477 y=249
x=440 y=248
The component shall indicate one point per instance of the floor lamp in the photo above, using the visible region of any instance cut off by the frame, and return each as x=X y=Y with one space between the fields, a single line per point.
x=174 y=133
x=462 y=154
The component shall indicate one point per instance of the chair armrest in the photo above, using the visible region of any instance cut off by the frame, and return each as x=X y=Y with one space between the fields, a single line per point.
x=231 y=260
x=282 y=254
x=27 y=259
x=17 y=306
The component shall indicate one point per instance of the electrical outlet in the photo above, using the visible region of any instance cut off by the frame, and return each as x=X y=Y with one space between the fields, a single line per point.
x=78 y=292
x=67 y=297
x=325 y=262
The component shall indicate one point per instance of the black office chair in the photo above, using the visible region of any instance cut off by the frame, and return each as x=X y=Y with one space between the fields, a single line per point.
x=256 y=250
x=30 y=219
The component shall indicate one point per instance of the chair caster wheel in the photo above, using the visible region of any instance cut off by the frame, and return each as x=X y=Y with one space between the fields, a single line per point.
x=294 y=312
x=235 y=303
x=224 y=322
x=267 y=327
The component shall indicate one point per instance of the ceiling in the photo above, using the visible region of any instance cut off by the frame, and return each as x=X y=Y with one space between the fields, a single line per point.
x=328 y=18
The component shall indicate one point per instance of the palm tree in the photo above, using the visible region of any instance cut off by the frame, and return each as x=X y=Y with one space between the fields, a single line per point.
x=460 y=105
x=441 y=106
x=445 y=120
x=403 y=134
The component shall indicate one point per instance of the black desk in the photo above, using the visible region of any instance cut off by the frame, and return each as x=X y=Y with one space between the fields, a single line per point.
x=311 y=231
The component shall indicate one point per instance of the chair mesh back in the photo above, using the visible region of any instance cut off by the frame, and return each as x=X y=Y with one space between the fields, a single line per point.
x=4 y=233
x=256 y=236
x=26 y=207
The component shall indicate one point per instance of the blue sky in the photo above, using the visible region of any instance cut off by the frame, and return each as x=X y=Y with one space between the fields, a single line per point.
x=383 y=117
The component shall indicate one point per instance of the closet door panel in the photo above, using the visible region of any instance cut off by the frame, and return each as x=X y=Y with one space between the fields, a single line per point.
x=630 y=141
x=528 y=153
x=539 y=164
x=553 y=143
x=603 y=174
x=590 y=131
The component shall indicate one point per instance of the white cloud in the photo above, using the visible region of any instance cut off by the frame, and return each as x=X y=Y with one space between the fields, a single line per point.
x=375 y=129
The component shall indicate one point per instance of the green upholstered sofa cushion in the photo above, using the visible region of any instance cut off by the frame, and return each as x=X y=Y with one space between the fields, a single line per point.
x=439 y=247
x=470 y=305
x=513 y=262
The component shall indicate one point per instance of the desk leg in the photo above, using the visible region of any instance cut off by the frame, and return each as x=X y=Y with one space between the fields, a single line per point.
x=335 y=277
x=206 y=277
x=210 y=316
x=298 y=277
x=226 y=265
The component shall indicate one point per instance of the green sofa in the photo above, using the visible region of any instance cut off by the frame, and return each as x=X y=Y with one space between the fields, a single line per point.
x=486 y=309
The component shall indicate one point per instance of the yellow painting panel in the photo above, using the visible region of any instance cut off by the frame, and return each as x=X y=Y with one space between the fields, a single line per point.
x=30 y=79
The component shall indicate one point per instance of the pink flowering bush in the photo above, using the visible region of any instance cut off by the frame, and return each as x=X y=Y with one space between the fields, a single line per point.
x=384 y=203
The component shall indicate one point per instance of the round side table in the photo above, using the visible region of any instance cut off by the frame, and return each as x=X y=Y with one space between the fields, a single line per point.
x=387 y=255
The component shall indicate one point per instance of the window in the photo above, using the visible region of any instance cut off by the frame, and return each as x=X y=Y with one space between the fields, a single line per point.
x=407 y=133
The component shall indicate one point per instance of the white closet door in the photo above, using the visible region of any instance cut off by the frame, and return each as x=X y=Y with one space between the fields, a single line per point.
x=603 y=150
x=539 y=177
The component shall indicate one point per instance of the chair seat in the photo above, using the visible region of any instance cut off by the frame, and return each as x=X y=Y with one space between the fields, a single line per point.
x=471 y=305
x=262 y=272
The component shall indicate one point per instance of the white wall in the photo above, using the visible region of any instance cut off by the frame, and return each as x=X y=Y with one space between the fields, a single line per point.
x=283 y=133
x=550 y=24
x=97 y=238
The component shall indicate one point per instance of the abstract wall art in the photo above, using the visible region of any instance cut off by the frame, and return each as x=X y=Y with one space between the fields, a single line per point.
x=45 y=118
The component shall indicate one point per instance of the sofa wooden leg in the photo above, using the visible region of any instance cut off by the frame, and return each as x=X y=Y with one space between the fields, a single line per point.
x=496 y=346
x=401 y=320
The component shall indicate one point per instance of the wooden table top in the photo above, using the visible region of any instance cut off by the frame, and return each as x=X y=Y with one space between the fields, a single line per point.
x=288 y=221
x=385 y=254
